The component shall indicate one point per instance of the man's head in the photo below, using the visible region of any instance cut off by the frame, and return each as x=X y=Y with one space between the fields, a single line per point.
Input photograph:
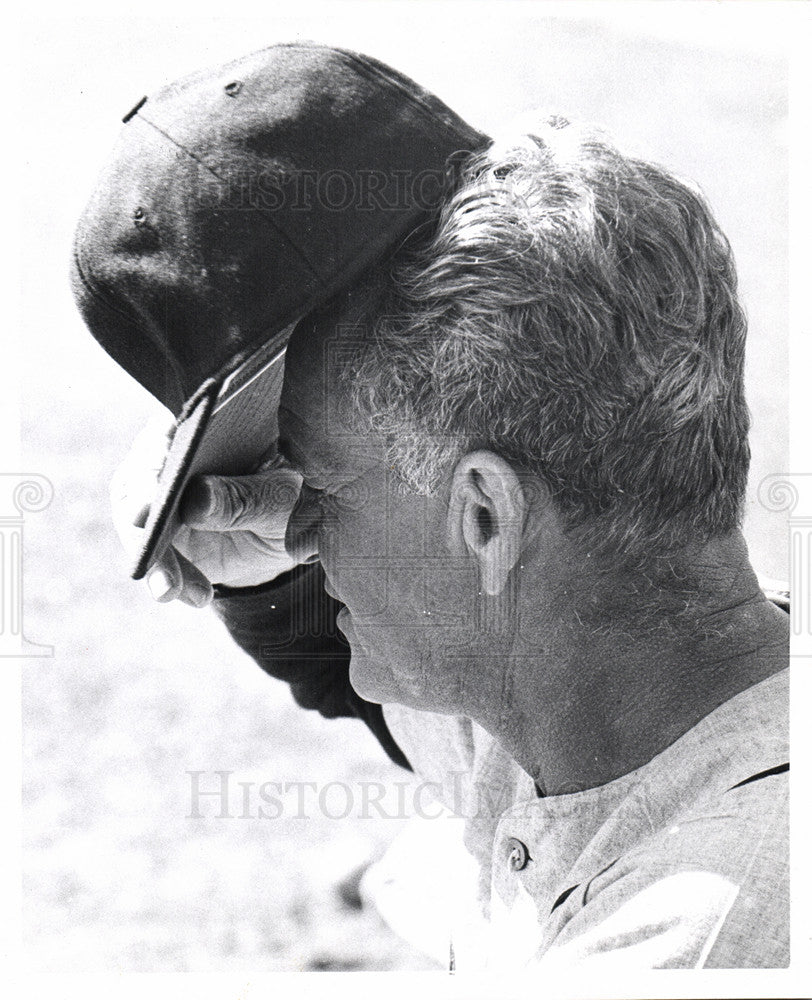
x=552 y=380
x=576 y=313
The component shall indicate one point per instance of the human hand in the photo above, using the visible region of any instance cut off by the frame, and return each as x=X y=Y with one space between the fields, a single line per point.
x=232 y=527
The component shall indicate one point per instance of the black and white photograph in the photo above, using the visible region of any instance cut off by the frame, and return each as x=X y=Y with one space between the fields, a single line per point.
x=406 y=501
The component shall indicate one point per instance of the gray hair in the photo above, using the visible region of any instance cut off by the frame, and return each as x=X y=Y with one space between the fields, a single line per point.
x=575 y=311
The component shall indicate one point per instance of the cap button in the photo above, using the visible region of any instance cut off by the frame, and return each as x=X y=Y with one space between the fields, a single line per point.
x=233 y=88
x=518 y=855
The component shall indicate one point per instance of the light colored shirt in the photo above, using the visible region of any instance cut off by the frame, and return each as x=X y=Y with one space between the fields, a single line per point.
x=682 y=863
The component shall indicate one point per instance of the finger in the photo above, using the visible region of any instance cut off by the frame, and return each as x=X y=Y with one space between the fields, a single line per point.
x=234 y=558
x=260 y=503
x=173 y=578
x=165 y=579
x=196 y=591
x=302 y=533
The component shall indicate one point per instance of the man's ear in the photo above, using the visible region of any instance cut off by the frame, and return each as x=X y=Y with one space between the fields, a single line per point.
x=486 y=516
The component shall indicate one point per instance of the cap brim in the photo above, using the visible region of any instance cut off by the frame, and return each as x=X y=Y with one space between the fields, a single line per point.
x=227 y=429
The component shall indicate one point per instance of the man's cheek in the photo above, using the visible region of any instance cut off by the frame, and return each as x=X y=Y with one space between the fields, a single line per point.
x=450 y=591
x=409 y=594
x=379 y=595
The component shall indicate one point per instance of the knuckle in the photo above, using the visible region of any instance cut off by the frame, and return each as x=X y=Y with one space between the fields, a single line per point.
x=233 y=502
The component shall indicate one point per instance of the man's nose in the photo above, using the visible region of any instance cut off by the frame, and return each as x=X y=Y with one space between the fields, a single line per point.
x=302 y=533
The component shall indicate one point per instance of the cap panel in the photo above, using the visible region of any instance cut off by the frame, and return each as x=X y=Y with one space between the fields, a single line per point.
x=123 y=337
x=239 y=198
x=193 y=277
x=325 y=145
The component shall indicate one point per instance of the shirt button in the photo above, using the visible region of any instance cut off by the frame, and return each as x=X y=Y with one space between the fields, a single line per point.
x=518 y=855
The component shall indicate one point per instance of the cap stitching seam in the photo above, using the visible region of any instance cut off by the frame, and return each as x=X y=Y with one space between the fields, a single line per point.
x=181 y=147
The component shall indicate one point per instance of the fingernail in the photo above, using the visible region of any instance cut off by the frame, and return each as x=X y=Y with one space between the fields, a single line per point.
x=199 y=596
x=159 y=584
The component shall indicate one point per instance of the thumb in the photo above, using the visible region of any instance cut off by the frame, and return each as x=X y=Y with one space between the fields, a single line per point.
x=260 y=503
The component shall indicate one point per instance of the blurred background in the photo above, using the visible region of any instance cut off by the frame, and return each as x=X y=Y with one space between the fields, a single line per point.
x=116 y=877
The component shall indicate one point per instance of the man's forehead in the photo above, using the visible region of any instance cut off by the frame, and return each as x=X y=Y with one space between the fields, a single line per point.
x=319 y=429
x=317 y=407
x=318 y=374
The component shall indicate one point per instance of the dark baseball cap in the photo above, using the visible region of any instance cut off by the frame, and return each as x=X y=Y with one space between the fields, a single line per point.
x=236 y=202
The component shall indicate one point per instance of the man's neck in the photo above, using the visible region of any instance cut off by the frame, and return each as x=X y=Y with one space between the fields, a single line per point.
x=612 y=683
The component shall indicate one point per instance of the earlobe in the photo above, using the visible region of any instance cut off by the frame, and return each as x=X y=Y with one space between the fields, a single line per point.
x=486 y=516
